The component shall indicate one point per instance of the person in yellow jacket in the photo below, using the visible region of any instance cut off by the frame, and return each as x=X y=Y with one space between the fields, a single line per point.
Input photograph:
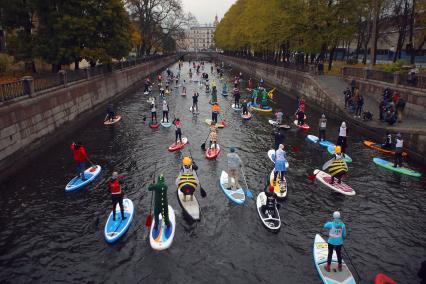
x=187 y=181
x=215 y=112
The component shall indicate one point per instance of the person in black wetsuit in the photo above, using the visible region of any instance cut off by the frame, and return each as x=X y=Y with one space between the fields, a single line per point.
x=271 y=201
x=300 y=117
x=279 y=137
x=245 y=108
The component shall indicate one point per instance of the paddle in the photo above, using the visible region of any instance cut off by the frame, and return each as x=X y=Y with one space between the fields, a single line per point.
x=203 y=193
x=350 y=260
x=148 y=221
x=247 y=190
x=312 y=177
x=203 y=146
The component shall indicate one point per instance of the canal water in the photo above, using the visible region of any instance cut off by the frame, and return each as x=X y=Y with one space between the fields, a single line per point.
x=48 y=235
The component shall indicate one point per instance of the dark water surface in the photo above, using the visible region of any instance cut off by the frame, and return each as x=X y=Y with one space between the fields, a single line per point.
x=48 y=235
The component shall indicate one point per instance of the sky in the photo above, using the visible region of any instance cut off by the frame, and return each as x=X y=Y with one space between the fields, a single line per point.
x=205 y=10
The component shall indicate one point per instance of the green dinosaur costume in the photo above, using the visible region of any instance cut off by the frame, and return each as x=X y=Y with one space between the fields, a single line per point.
x=161 y=205
x=264 y=101
x=254 y=95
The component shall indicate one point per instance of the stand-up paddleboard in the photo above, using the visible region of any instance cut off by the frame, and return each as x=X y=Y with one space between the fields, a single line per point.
x=116 y=119
x=219 y=124
x=383 y=279
x=166 y=124
x=378 y=147
x=212 y=153
x=259 y=108
x=115 y=229
x=178 y=145
x=90 y=174
x=315 y=139
x=225 y=94
x=237 y=196
x=246 y=116
x=190 y=207
x=183 y=94
x=234 y=107
x=162 y=238
x=195 y=113
x=303 y=126
x=271 y=220
x=154 y=125
x=272 y=152
x=325 y=179
x=280 y=188
x=320 y=258
x=151 y=100
x=389 y=166
x=331 y=149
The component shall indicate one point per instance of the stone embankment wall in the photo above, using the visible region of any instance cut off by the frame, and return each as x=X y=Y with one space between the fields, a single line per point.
x=33 y=123
x=297 y=83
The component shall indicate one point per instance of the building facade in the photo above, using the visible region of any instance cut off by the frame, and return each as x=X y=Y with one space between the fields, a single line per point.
x=199 y=38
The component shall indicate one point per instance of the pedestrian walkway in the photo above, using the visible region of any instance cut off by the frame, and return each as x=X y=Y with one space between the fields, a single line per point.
x=334 y=86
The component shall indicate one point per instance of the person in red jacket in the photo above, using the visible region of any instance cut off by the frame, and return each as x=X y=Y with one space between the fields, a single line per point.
x=80 y=158
x=116 y=195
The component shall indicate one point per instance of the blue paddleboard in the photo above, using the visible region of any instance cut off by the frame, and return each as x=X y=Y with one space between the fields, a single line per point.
x=90 y=174
x=236 y=196
x=114 y=230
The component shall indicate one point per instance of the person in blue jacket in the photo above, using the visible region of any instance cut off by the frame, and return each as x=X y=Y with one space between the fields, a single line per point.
x=336 y=236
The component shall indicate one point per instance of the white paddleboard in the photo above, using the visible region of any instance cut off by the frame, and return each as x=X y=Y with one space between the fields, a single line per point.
x=320 y=258
x=270 y=221
x=237 y=196
x=90 y=174
x=190 y=207
x=325 y=179
x=162 y=238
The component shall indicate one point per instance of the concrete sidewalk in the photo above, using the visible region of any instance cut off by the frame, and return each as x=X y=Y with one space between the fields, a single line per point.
x=334 y=86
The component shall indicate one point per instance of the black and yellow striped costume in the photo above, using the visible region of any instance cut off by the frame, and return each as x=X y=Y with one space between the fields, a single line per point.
x=187 y=183
x=337 y=168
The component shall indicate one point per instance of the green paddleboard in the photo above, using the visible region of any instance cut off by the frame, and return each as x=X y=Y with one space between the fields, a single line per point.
x=389 y=166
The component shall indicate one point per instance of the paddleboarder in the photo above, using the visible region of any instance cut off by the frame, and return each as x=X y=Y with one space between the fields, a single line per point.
x=195 y=102
x=341 y=140
x=264 y=100
x=398 y=150
x=161 y=204
x=110 y=113
x=244 y=107
x=80 y=157
x=153 y=113
x=336 y=166
x=254 y=95
x=116 y=195
x=279 y=117
x=237 y=97
x=213 y=135
x=388 y=142
x=187 y=181
x=215 y=111
x=322 y=126
x=279 y=137
x=279 y=159
x=336 y=236
x=178 y=131
x=165 y=111
x=271 y=200
x=300 y=117
x=234 y=165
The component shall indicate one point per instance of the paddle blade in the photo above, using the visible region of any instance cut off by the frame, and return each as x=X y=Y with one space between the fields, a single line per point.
x=148 y=221
x=311 y=178
x=249 y=194
x=223 y=122
x=203 y=146
x=295 y=149
x=203 y=192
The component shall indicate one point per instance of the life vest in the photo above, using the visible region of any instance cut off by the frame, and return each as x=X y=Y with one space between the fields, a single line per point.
x=337 y=166
x=216 y=108
x=114 y=186
x=335 y=232
x=79 y=153
x=187 y=180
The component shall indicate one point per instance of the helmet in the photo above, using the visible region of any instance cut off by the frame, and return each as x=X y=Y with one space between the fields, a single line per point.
x=336 y=215
x=338 y=149
x=114 y=175
x=232 y=149
x=187 y=161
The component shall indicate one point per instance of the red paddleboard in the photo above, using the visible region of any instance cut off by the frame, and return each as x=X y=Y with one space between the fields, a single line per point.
x=303 y=126
x=178 y=146
x=212 y=153
x=154 y=125
x=383 y=279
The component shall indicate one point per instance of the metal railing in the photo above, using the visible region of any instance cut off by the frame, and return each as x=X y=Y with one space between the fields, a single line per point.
x=12 y=90
x=398 y=78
